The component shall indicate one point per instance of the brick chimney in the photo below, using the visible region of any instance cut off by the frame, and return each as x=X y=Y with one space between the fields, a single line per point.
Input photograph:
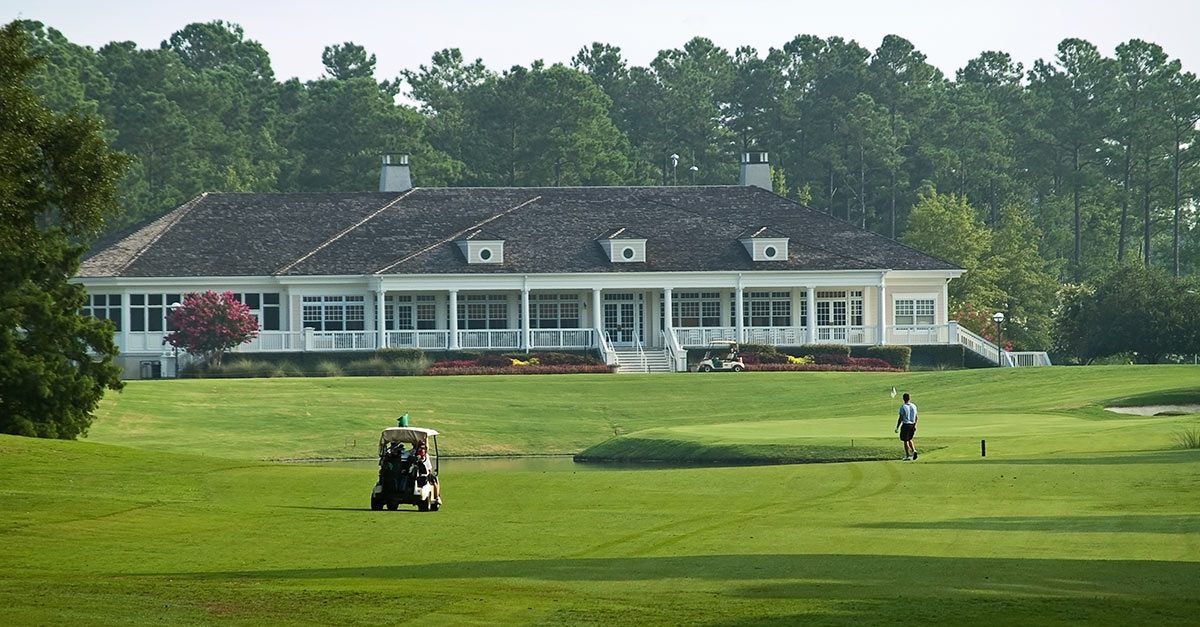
x=755 y=170
x=394 y=175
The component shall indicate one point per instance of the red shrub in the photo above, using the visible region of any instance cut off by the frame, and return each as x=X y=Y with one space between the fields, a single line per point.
x=870 y=362
x=831 y=359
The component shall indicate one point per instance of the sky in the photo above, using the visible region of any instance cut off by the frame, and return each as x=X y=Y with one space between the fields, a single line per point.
x=404 y=34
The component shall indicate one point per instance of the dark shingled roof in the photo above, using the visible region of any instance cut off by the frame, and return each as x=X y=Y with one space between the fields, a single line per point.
x=545 y=230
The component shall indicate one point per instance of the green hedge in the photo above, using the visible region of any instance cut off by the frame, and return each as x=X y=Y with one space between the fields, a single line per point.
x=819 y=349
x=898 y=356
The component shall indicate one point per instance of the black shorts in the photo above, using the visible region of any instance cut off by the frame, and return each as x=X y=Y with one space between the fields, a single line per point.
x=907 y=431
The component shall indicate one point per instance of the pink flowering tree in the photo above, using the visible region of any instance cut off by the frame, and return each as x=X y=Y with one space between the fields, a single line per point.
x=208 y=324
x=978 y=320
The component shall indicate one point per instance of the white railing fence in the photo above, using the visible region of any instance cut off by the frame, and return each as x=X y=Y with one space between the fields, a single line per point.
x=677 y=354
x=606 y=348
x=1020 y=359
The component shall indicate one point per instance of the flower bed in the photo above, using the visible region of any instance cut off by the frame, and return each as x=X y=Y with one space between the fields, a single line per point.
x=445 y=368
x=823 y=368
x=537 y=363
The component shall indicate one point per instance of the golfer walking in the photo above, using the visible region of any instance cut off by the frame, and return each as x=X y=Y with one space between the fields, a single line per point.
x=906 y=424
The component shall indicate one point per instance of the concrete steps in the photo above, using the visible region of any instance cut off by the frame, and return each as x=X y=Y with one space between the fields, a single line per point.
x=630 y=361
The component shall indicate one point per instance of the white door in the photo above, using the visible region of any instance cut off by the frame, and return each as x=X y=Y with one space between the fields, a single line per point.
x=622 y=318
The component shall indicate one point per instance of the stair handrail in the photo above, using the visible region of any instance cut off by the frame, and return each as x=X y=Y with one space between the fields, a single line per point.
x=641 y=351
x=980 y=346
x=675 y=350
x=606 y=347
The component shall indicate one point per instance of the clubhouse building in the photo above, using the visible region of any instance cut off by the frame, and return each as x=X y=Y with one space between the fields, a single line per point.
x=636 y=274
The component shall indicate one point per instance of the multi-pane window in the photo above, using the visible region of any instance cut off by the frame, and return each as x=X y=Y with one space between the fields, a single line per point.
x=398 y=312
x=104 y=307
x=696 y=309
x=426 y=311
x=913 y=311
x=334 y=313
x=148 y=312
x=554 y=311
x=765 y=309
x=263 y=306
x=483 y=311
x=833 y=308
x=856 y=309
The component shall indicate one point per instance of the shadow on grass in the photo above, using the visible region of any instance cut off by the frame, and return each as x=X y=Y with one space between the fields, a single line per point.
x=411 y=508
x=1133 y=523
x=827 y=570
x=833 y=589
x=1100 y=459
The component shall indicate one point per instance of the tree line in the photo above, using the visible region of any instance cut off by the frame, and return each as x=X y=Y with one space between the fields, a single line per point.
x=1027 y=177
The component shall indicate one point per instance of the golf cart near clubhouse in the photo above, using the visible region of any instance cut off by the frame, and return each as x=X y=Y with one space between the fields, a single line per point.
x=722 y=355
x=404 y=476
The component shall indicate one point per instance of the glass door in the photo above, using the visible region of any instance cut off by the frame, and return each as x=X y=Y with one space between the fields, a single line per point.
x=622 y=319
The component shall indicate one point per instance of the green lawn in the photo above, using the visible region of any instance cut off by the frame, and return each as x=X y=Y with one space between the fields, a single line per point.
x=164 y=516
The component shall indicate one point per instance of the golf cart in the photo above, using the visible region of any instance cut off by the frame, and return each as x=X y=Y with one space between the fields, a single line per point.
x=405 y=476
x=721 y=356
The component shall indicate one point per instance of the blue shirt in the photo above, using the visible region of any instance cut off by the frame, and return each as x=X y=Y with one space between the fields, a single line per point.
x=908 y=413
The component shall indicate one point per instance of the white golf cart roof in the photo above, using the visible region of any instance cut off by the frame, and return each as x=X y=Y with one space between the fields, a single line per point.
x=720 y=343
x=406 y=435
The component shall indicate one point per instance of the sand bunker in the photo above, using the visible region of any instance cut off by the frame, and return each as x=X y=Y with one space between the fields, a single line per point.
x=1154 y=410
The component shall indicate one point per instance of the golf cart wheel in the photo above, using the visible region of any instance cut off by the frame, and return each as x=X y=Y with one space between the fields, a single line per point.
x=705 y=368
x=393 y=506
x=738 y=369
x=423 y=506
x=376 y=504
x=435 y=506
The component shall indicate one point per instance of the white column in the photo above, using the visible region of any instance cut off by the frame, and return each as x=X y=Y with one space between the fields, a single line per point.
x=597 y=314
x=453 y=320
x=812 y=315
x=737 y=310
x=666 y=305
x=881 y=313
x=125 y=322
x=525 y=315
x=380 y=322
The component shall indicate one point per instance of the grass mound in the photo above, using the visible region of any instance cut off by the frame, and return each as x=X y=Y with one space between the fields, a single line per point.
x=1181 y=396
x=653 y=447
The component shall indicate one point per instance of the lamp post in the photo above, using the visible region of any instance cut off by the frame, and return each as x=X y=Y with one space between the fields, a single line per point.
x=999 y=318
x=174 y=349
x=694 y=170
x=674 y=169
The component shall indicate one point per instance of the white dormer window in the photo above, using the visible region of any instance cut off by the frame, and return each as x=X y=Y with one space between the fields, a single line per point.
x=623 y=246
x=478 y=248
x=763 y=245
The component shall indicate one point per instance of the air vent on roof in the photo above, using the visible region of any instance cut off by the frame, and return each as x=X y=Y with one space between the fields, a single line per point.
x=764 y=244
x=479 y=247
x=623 y=246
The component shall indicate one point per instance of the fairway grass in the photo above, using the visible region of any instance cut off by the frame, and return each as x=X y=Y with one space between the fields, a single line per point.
x=1076 y=516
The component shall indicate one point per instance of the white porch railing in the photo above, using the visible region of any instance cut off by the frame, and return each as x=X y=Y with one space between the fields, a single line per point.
x=496 y=339
x=922 y=334
x=273 y=341
x=427 y=340
x=779 y=336
x=562 y=338
x=701 y=336
x=1026 y=359
x=340 y=340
